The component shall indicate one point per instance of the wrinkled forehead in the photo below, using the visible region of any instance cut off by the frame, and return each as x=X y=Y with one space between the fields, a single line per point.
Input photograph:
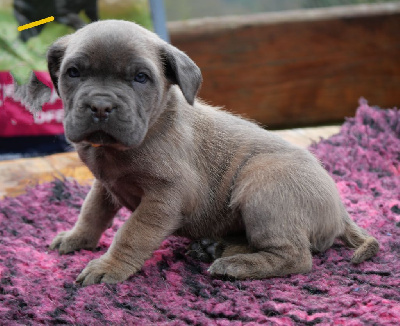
x=114 y=47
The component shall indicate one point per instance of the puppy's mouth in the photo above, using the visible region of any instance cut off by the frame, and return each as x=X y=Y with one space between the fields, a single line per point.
x=100 y=138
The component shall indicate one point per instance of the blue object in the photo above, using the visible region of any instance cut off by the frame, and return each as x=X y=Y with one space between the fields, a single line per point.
x=159 y=21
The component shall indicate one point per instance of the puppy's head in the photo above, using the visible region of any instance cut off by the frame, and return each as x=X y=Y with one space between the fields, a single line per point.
x=113 y=78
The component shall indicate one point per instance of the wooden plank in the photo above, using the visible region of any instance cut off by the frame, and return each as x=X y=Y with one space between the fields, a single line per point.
x=16 y=175
x=304 y=137
x=297 y=68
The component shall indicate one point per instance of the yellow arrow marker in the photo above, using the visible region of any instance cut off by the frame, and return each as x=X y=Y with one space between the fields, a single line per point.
x=36 y=23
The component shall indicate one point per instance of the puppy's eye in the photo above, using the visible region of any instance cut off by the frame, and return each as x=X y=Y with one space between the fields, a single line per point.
x=73 y=72
x=141 y=78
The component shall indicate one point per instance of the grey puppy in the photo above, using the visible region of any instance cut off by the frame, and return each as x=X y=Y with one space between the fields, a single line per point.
x=183 y=167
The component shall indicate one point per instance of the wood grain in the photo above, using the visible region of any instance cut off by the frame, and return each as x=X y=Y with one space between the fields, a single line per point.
x=298 y=68
x=16 y=175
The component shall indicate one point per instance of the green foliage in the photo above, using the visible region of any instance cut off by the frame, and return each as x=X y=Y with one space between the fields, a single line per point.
x=21 y=58
x=133 y=10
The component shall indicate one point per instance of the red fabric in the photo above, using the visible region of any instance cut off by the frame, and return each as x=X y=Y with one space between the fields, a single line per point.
x=16 y=120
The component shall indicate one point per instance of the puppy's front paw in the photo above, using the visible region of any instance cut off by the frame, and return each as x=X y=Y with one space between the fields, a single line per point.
x=103 y=270
x=68 y=241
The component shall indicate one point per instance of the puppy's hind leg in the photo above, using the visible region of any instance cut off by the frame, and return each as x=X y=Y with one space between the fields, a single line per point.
x=270 y=251
x=271 y=261
x=235 y=245
x=276 y=230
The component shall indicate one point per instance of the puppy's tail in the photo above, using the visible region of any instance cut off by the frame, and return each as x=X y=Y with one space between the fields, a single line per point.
x=355 y=237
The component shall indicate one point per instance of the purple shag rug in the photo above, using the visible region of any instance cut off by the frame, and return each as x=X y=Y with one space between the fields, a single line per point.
x=37 y=285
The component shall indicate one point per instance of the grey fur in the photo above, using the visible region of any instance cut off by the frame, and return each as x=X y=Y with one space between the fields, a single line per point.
x=184 y=167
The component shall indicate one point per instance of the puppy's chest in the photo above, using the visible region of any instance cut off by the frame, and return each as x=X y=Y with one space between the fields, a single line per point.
x=125 y=192
x=104 y=165
x=115 y=173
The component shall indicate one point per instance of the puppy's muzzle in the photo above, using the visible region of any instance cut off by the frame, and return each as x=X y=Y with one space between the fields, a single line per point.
x=101 y=108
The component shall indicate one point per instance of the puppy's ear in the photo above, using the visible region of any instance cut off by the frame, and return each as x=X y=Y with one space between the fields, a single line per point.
x=182 y=71
x=55 y=56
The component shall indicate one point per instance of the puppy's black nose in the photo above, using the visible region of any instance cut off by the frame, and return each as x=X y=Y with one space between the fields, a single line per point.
x=101 y=109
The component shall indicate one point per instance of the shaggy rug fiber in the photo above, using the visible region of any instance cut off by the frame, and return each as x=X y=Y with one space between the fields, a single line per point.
x=37 y=285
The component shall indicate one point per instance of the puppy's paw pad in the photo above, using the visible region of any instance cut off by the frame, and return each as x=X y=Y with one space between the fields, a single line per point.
x=102 y=271
x=205 y=250
x=67 y=241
